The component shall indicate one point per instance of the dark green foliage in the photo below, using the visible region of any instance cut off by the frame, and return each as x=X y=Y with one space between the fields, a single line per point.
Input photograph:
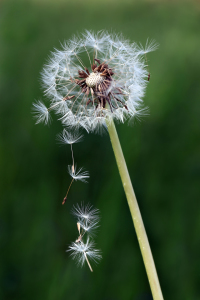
x=162 y=154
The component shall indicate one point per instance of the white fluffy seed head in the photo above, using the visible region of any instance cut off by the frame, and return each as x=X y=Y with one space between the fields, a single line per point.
x=73 y=97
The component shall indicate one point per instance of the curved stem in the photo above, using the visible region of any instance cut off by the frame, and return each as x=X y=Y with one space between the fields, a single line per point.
x=135 y=213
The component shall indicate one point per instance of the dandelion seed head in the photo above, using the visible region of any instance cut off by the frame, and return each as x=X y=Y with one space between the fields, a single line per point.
x=96 y=77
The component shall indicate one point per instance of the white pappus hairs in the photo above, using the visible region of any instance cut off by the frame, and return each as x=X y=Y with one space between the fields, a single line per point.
x=41 y=113
x=86 y=213
x=78 y=174
x=70 y=138
x=94 y=77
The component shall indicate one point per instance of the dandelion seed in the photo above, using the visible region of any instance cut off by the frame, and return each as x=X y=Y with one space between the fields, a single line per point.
x=94 y=78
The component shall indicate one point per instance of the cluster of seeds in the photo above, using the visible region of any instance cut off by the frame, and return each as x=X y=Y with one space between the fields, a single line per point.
x=87 y=217
x=87 y=223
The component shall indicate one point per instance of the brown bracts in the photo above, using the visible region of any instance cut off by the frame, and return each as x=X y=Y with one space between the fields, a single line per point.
x=99 y=83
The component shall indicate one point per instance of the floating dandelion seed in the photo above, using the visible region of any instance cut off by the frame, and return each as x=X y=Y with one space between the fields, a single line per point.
x=97 y=77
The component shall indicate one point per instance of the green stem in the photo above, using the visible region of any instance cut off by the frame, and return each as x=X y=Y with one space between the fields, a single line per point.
x=135 y=213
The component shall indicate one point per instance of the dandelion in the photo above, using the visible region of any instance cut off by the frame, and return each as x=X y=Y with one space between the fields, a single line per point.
x=92 y=81
x=95 y=78
x=81 y=251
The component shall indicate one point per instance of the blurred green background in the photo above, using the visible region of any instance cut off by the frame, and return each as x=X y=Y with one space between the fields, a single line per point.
x=162 y=153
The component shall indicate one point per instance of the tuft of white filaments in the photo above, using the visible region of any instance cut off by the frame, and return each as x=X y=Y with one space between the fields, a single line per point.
x=84 y=251
x=86 y=213
x=41 y=113
x=95 y=77
x=70 y=138
x=78 y=174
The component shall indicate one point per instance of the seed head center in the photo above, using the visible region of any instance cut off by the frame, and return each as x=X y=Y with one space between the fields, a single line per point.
x=94 y=79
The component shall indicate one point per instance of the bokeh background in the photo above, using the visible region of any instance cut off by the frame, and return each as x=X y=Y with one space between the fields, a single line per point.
x=162 y=153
